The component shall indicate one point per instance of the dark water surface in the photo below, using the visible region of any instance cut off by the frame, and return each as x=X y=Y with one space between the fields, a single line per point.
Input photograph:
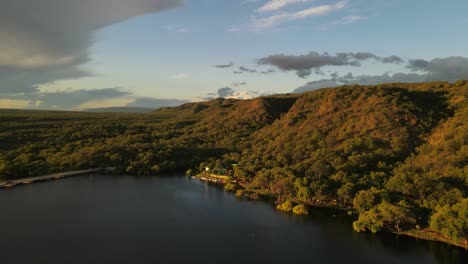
x=122 y=219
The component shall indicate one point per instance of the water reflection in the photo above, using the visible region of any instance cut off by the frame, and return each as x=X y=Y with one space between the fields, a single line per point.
x=118 y=219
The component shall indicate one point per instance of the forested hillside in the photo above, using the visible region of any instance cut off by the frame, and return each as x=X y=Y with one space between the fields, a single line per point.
x=396 y=153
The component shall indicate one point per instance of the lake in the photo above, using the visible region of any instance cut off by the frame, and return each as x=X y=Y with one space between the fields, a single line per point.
x=123 y=219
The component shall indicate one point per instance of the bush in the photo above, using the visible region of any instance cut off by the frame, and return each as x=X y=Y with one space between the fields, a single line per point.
x=252 y=196
x=300 y=209
x=287 y=206
x=239 y=193
x=230 y=187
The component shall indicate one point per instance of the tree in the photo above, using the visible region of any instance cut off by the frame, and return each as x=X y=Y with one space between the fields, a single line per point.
x=345 y=192
x=366 y=199
x=303 y=191
x=452 y=221
x=320 y=169
x=384 y=216
x=261 y=180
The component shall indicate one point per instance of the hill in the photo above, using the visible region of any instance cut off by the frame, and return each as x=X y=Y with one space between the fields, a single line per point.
x=119 y=110
x=395 y=154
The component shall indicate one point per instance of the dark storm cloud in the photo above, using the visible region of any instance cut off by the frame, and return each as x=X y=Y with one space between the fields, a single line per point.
x=303 y=65
x=43 y=41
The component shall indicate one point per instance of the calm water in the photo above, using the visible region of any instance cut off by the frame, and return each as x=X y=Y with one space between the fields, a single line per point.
x=118 y=219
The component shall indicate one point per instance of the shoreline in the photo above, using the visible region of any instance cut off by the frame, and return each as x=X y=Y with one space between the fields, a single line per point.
x=424 y=234
x=55 y=176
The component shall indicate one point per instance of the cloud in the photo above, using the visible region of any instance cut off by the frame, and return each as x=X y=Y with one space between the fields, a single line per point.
x=310 y=86
x=229 y=93
x=445 y=69
x=245 y=69
x=67 y=99
x=25 y=80
x=225 y=92
x=314 y=61
x=237 y=84
x=448 y=69
x=84 y=99
x=43 y=41
x=14 y=103
x=148 y=102
x=279 y=18
x=274 y=5
x=268 y=71
x=391 y=59
x=105 y=103
x=229 y=65
x=417 y=65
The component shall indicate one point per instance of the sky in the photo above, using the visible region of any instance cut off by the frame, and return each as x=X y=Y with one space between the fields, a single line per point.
x=74 y=55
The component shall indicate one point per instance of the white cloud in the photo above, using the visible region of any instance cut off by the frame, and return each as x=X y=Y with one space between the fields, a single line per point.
x=274 y=5
x=270 y=21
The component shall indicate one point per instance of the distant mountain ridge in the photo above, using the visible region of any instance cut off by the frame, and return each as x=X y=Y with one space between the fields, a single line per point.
x=119 y=110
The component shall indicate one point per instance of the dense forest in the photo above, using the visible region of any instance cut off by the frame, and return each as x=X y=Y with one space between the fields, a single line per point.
x=396 y=154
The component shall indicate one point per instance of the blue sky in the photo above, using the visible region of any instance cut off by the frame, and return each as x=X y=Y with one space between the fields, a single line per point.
x=138 y=50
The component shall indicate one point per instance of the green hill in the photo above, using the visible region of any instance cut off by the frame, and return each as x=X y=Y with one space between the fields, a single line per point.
x=396 y=154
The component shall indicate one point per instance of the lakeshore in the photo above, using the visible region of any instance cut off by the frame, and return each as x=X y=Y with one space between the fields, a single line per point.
x=249 y=194
x=121 y=219
x=255 y=194
x=50 y=177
